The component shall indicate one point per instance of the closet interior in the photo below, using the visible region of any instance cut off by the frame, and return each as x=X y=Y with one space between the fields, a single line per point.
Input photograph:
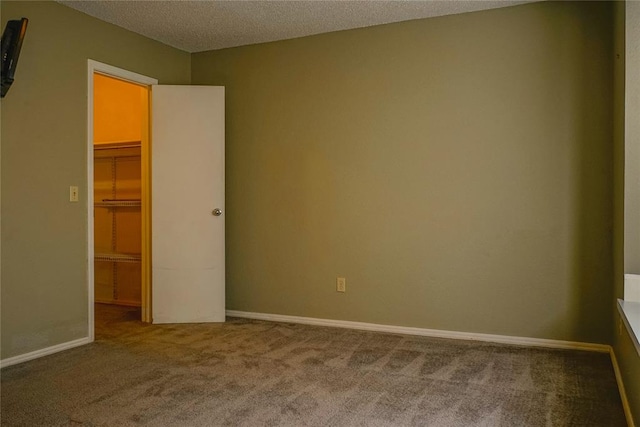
x=117 y=224
x=119 y=135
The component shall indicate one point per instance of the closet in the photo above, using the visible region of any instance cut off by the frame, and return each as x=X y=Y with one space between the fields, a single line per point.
x=117 y=224
x=119 y=134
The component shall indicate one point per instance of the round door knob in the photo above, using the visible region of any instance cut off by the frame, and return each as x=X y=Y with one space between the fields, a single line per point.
x=217 y=212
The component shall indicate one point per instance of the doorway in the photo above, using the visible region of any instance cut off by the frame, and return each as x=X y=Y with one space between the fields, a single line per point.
x=118 y=193
x=188 y=196
x=119 y=111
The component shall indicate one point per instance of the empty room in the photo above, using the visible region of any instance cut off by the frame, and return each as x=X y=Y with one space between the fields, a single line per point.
x=322 y=213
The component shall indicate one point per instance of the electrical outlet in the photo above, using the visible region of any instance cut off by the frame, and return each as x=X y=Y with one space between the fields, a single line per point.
x=73 y=193
x=341 y=284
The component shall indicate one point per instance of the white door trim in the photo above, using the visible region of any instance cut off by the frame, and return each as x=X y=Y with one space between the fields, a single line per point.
x=109 y=70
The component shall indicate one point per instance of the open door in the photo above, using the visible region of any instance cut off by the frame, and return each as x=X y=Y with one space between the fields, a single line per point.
x=187 y=213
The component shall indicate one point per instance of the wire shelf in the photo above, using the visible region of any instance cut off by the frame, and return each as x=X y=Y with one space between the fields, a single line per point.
x=114 y=203
x=118 y=257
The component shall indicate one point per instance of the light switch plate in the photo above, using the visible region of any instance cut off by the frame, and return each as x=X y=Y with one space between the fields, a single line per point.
x=73 y=193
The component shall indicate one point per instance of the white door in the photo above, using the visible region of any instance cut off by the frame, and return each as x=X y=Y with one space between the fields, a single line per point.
x=187 y=187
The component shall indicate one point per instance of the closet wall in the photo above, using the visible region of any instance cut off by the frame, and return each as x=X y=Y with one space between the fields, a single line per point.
x=118 y=134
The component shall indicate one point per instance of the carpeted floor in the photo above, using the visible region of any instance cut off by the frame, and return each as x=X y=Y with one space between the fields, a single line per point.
x=253 y=373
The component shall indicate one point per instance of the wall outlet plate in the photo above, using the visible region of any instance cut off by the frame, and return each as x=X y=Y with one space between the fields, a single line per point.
x=341 y=284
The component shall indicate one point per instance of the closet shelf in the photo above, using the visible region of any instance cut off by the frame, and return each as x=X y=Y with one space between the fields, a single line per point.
x=118 y=257
x=114 y=203
x=117 y=144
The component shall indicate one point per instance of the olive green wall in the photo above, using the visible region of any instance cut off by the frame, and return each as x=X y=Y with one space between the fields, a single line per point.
x=632 y=136
x=618 y=152
x=458 y=171
x=44 y=151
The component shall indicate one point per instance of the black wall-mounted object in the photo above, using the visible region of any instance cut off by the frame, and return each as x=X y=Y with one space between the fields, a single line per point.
x=12 y=38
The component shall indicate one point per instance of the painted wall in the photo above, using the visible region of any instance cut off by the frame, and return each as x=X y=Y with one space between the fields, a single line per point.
x=118 y=108
x=44 y=151
x=632 y=135
x=457 y=171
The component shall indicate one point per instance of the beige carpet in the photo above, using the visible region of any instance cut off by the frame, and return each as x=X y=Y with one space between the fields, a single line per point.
x=253 y=373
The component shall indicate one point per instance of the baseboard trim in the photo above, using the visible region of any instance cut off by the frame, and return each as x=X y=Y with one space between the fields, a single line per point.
x=436 y=333
x=43 y=352
x=623 y=393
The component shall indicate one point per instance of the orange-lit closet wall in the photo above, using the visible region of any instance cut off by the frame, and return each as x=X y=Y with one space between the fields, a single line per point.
x=118 y=107
x=120 y=129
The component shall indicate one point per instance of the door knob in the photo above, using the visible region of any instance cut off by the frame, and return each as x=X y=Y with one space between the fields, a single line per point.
x=217 y=212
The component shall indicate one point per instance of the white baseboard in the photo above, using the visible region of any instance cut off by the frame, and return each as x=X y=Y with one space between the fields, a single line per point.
x=500 y=339
x=623 y=393
x=43 y=352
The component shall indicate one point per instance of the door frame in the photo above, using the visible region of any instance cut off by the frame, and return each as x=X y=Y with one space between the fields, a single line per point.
x=139 y=79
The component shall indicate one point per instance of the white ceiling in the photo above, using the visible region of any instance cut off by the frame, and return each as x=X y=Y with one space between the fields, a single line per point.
x=196 y=26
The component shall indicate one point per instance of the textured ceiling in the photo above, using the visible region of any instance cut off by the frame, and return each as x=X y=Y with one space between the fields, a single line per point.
x=196 y=26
